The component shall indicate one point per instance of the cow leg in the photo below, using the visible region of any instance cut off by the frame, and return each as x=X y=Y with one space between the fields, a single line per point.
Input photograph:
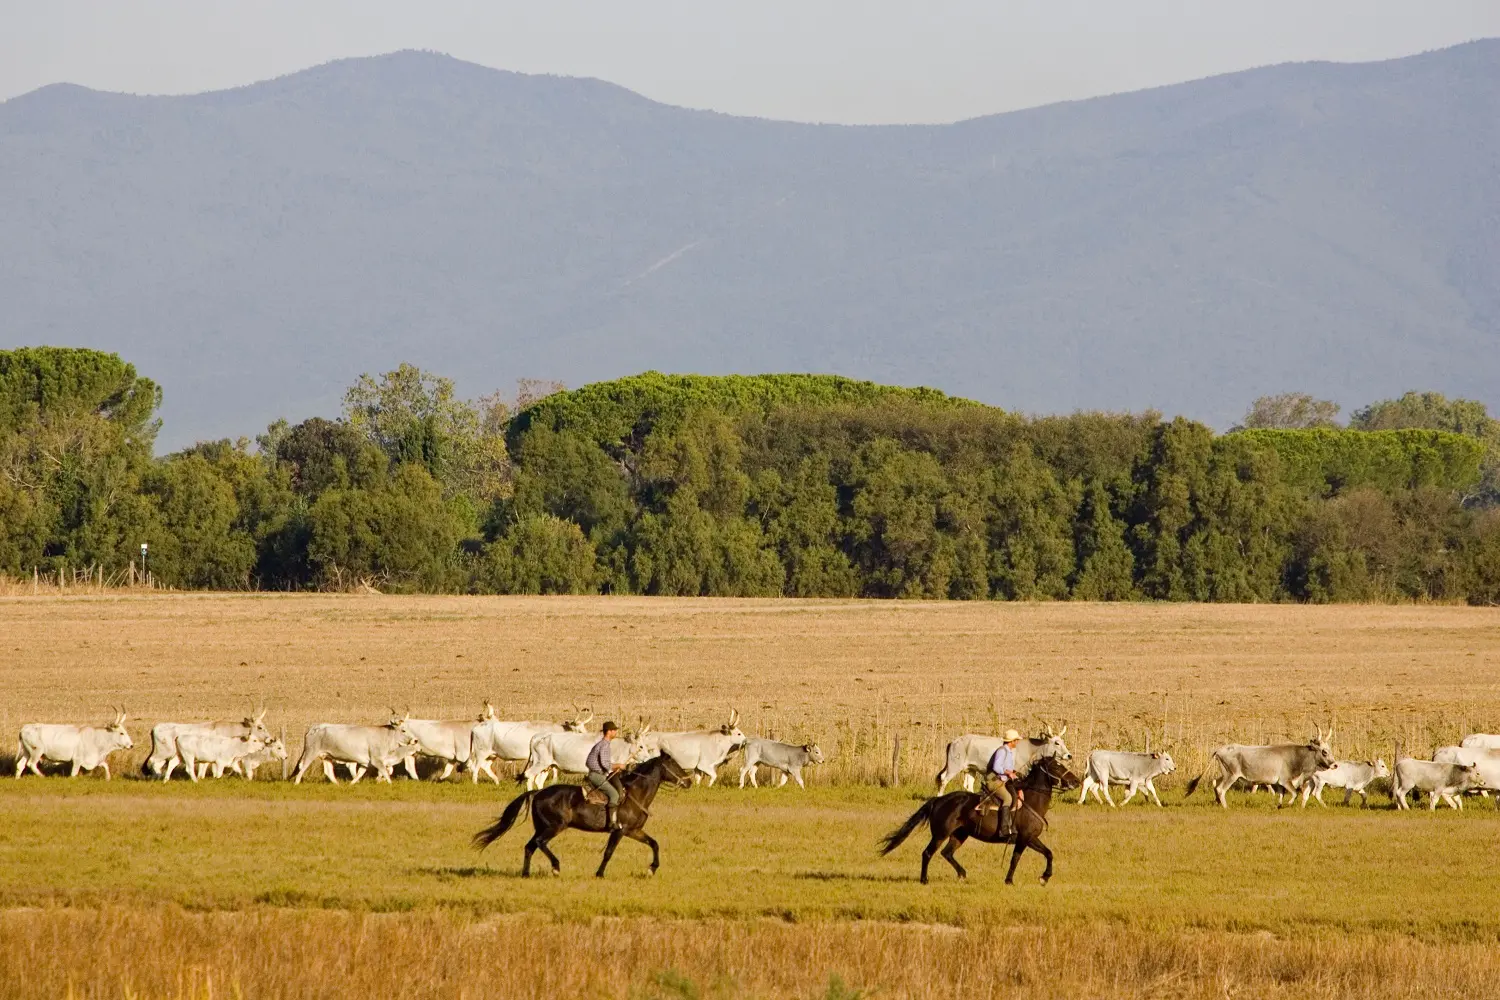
x=448 y=768
x=36 y=765
x=105 y=764
x=954 y=843
x=712 y=776
x=329 y=772
x=639 y=834
x=171 y=766
x=609 y=850
x=20 y=764
x=1130 y=791
x=191 y=764
x=411 y=766
x=968 y=781
x=218 y=771
x=744 y=771
x=1221 y=787
x=798 y=775
x=74 y=772
x=1083 y=792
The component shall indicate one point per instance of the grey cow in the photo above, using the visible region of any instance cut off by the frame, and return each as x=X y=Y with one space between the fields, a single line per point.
x=970 y=754
x=1439 y=779
x=1350 y=775
x=788 y=758
x=376 y=747
x=1136 y=771
x=1285 y=765
x=1486 y=762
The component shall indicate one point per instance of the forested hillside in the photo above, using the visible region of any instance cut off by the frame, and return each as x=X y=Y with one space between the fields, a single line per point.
x=800 y=485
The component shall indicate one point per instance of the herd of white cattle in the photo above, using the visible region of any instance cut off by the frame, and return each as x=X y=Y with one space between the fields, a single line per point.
x=547 y=749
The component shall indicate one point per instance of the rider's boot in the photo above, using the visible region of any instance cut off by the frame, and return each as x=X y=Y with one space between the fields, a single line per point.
x=611 y=818
x=1007 y=822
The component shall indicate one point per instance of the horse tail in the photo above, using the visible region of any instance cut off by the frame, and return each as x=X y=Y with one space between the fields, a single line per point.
x=893 y=840
x=484 y=838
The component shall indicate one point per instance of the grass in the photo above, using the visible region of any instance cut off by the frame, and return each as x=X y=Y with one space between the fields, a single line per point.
x=135 y=888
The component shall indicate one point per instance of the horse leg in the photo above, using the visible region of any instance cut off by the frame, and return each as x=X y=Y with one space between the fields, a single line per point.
x=1037 y=845
x=954 y=843
x=531 y=846
x=927 y=854
x=1015 y=859
x=541 y=845
x=609 y=850
x=641 y=836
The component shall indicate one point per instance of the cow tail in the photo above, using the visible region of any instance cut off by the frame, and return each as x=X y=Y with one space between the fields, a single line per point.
x=893 y=840
x=484 y=838
x=1192 y=786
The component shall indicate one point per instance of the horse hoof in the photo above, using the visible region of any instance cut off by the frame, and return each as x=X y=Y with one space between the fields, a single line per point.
x=1043 y=881
x=650 y=872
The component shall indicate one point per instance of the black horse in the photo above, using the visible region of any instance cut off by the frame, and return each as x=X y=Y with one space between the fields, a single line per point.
x=953 y=820
x=563 y=807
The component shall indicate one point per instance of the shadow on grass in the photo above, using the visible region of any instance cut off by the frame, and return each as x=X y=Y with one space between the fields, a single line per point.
x=826 y=876
x=476 y=872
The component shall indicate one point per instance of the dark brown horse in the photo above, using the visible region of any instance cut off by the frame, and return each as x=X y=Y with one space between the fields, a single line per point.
x=563 y=807
x=952 y=820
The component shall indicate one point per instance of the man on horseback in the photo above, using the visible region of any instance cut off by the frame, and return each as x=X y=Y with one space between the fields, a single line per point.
x=600 y=770
x=997 y=779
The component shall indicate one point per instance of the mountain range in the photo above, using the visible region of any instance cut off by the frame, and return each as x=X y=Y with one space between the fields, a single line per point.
x=1329 y=228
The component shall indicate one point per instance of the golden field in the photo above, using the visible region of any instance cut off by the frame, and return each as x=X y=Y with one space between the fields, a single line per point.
x=133 y=888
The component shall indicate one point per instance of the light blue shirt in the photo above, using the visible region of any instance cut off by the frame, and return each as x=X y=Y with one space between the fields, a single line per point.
x=1003 y=760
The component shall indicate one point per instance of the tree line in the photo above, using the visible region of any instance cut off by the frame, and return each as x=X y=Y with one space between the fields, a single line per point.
x=798 y=485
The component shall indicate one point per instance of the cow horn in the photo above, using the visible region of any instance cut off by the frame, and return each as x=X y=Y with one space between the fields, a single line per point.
x=1064 y=730
x=734 y=717
x=260 y=716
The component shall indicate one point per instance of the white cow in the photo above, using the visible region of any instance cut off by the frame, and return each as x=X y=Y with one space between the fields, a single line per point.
x=494 y=739
x=449 y=742
x=1438 y=779
x=85 y=747
x=377 y=747
x=1480 y=741
x=700 y=752
x=1486 y=762
x=202 y=751
x=1122 y=767
x=247 y=765
x=970 y=754
x=164 y=756
x=568 y=753
x=1350 y=775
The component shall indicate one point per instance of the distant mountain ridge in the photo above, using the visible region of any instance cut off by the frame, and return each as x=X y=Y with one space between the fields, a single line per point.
x=1330 y=228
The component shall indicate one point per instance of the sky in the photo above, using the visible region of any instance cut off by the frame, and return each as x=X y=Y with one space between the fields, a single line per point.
x=855 y=61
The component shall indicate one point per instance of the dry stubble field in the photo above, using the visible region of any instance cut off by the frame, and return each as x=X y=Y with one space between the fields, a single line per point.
x=133 y=888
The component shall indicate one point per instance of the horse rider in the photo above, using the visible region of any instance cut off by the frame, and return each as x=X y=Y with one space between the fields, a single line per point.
x=599 y=771
x=1001 y=772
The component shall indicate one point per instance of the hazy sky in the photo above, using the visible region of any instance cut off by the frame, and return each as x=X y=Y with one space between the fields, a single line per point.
x=818 y=60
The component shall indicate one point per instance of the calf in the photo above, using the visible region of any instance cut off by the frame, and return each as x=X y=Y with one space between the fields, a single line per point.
x=212 y=751
x=1438 y=779
x=84 y=747
x=1486 y=762
x=1350 y=775
x=164 y=755
x=246 y=765
x=1119 y=767
x=788 y=758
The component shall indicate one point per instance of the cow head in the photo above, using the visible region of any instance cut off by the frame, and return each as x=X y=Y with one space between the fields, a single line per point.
x=1052 y=744
x=398 y=721
x=1468 y=778
x=117 y=729
x=256 y=724
x=488 y=713
x=1381 y=771
x=640 y=749
x=581 y=718
x=1168 y=765
x=277 y=748
x=1323 y=750
x=814 y=755
x=732 y=727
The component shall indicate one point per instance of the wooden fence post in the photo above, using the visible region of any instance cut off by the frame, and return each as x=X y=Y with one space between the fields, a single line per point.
x=896 y=762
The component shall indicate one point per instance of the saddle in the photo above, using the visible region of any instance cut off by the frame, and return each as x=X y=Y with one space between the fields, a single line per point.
x=988 y=815
x=594 y=796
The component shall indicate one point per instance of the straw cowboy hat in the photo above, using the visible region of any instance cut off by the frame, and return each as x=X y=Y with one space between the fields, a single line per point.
x=1011 y=736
